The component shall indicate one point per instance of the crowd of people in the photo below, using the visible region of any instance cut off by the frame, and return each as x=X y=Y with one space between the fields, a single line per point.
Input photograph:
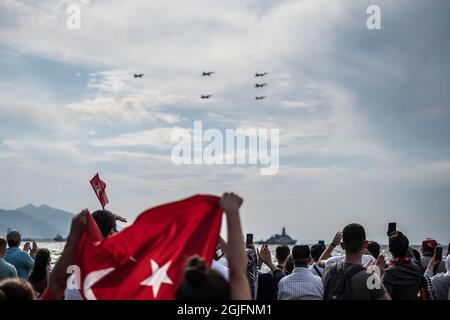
x=301 y=273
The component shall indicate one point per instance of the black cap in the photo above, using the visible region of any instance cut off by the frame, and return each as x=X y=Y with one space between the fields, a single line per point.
x=301 y=252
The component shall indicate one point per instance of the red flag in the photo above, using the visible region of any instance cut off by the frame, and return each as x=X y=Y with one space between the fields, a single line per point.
x=147 y=259
x=99 y=187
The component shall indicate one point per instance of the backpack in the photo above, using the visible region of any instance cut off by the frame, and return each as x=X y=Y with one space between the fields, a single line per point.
x=339 y=285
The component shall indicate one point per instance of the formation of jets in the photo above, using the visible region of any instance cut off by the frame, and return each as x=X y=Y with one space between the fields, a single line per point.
x=260 y=85
x=210 y=73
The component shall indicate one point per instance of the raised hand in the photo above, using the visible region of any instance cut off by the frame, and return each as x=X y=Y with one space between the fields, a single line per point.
x=119 y=218
x=381 y=263
x=265 y=254
x=230 y=202
x=79 y=223
x=34 y=247
x=26 y=247
x=433 y=262
x=337 y=239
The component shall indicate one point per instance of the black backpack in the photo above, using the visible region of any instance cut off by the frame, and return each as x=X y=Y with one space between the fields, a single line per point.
x=339 y=286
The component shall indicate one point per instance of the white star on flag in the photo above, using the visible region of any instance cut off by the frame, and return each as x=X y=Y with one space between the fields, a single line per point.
x=159 y=276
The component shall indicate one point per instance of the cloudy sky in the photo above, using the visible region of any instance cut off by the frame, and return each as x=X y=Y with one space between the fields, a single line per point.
x=364 y=115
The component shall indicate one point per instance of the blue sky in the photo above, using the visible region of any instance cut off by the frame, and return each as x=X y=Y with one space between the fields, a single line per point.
x=364 y=116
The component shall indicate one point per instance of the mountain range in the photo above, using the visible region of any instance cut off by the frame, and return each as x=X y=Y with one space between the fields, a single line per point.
x=34 y=222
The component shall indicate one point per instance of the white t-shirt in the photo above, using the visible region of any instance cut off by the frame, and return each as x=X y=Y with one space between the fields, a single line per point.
x=221 y=266
x=365 y=259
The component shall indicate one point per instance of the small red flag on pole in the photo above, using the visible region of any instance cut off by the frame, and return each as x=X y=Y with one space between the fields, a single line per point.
x=99 y=187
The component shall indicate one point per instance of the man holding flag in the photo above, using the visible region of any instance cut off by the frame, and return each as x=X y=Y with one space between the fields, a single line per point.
x=147 y=259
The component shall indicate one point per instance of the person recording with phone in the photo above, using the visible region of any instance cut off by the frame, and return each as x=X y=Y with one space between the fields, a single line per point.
x=441 y=280
x=22 y=260
x=428 y=249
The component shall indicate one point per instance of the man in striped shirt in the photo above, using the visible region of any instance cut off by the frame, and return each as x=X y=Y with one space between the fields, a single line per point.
x=301 y=284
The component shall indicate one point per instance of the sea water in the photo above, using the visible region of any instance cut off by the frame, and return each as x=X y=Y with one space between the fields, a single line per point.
x=56 y=248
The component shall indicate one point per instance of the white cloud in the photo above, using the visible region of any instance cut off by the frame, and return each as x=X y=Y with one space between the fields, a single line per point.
x=158 y=138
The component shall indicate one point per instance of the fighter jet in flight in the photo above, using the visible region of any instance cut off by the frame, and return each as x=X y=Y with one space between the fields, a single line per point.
x=204 y=74
x=206 y=96
x=260 y=85
x=260 y=97
x=138 y=75
x=261 y=74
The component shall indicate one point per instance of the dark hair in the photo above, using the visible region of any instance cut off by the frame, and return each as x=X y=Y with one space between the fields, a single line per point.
x=105 y=221
x=317 y=250
x=353 y=237
x=398 y=245
x=40 y=265
x=374 y=248
x=2 y=244
x=200 y=283
x=289 y=266
x=16 y=289
x=12 y=243
x=282 y=252
x=13 y=238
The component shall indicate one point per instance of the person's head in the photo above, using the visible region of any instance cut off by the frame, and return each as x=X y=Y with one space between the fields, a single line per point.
x=398 y=244
x=354 y=239
x=16 y=289
x=13 y=238
x=428 y=246
x=41 y=263
x=281 y=253
x=201 y=283
x=289 y=265
x=317 y=250
x=106 y=222
x=374 y=248
x=3 y=243
x=301 y=255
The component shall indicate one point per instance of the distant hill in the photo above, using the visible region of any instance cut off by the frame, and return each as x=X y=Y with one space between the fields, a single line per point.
x=36 y=222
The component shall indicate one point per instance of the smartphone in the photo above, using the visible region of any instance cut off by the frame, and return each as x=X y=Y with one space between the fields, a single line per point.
x=249 y=240
x=322 y=242
x=438 y=253
x=392 y=226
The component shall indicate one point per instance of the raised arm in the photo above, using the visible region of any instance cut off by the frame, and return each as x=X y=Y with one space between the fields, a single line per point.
x=327 y=253
x=223 y=245
x=59 y=275
x=431 y=265
x=237 y=259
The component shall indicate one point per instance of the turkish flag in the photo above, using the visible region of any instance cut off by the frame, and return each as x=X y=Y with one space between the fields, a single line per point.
x=99 y=187
x=147 y=259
